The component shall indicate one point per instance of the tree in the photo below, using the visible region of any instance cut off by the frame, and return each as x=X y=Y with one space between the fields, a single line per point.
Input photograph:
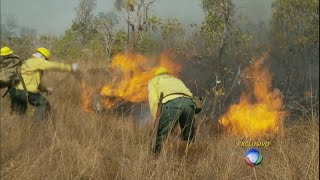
x=119 y=42
x=217 y=24
x=295 y=24
x=173 y=34
x=83 y=23
x=222 y=37
x=226 y=46
x=68 y=46
x=104 y=24
x=136 y=14
x=295 y=36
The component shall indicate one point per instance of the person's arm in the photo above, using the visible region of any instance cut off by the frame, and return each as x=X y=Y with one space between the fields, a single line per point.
x=48 y=65
x=153 y=99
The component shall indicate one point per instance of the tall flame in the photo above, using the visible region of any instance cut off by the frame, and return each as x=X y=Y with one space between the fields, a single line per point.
x=135 y=71
x=260 y=110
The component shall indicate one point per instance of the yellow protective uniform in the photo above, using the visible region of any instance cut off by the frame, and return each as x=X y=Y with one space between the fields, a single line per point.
x=167 y=84
x=32 y=70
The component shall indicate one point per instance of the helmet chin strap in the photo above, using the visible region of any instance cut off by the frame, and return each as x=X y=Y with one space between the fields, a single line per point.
x=38 y=55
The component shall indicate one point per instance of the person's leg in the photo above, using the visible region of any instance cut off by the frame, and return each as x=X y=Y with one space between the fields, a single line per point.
x=167 y=120
x=186 y=120
x=18 y=101
x=42 y=105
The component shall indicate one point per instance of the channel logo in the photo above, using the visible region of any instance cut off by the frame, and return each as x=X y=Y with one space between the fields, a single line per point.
x=253 y=157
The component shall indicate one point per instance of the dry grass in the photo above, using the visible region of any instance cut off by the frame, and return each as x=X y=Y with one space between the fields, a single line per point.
x=74 y=144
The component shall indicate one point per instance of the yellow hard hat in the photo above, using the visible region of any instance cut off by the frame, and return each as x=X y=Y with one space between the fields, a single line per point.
x=161 y=70
x=45 y=52
x=5 y=51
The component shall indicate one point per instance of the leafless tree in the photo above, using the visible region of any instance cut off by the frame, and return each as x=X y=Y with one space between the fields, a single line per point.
x=136 y=14
x=104 y=24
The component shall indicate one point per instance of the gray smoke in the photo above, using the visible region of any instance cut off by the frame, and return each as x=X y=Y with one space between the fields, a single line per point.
x=118 y=4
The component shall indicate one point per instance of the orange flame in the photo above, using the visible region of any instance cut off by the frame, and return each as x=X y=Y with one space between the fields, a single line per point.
x=259 y=112
x=135 y=72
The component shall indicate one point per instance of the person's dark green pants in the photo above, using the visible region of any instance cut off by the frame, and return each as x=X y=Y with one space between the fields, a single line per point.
x=177 y=110
x=19 y=103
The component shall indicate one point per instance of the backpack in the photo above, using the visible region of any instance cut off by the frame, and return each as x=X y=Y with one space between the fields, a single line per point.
x=10 y=71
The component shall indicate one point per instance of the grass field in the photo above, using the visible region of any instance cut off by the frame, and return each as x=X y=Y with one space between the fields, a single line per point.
x=75 y=144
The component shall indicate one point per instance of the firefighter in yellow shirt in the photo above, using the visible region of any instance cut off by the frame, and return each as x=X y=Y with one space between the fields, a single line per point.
x=177 y=105
x=32 y=71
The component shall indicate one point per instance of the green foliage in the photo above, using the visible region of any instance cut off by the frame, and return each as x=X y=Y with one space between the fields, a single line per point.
x=96 y=47
x=223 y=39
x=69 y=46
x=241 y=47
x=173 y=33
x=84 y=19
x=89 y=36
x=146 y=44
x=119 y=43
x=212 y=30
x=225 y=45
x=295 y=24
x=295 y=36
x=153 y=23
x=140 y=40
x=153 y=20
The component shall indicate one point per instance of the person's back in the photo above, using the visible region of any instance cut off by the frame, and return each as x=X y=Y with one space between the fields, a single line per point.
x=169 y=84
x=177 y=105
x=32 y=70
x=28 y=91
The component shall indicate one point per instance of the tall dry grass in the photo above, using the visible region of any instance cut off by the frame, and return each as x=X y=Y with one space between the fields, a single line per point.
x=75 y=144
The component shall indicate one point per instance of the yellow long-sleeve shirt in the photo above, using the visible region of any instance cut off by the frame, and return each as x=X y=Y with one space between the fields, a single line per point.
x=166 y=84
x=32 y=70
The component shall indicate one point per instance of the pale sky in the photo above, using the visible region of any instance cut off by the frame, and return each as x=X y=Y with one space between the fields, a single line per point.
x=55 y=16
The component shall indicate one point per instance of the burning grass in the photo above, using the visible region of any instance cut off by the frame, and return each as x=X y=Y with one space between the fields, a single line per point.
x=86 y=145
x=260 y=110
x=75 y=144
x=129 y=74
